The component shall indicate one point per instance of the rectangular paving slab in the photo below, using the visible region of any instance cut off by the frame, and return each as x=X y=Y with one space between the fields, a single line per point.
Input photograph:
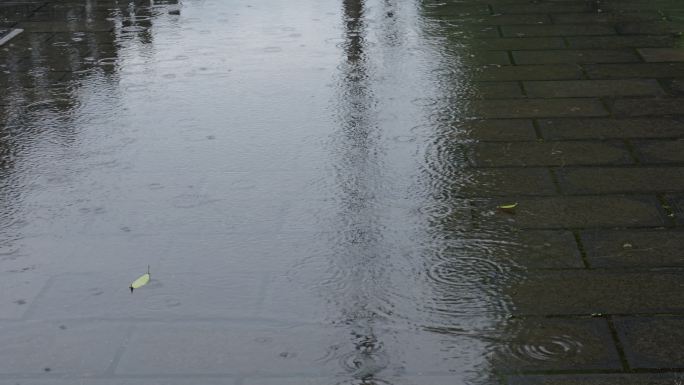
x=652 y=342
x=82 y=349
x=612 y=180
x=573 y=211
x=496 y=130
x=567 y=153
x=572 y=128
x=575 y=56
x=586 y=292
x=536 y=108
x=107 y=296
x=591 y=88
x=597 y=379
x=550 y=344
x=634 y=248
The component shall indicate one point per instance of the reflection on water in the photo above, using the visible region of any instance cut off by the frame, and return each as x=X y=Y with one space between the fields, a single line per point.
x=282 y=163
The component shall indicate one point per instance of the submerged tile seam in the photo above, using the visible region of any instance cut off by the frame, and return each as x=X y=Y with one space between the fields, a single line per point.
x=582 y=250
x=618 y=344
x=666 y=209
x=10 y=35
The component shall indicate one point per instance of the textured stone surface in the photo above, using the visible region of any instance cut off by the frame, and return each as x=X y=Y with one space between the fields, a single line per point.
x=574 y=56
x=563 y=129
x=592 y=292
x=634 y=248
x=662 y=54
x=596 y=379
x=652 y=342
x=537 y=108
x=605 y=180
x=549 y=154
x=557 y=30
x=579 y=212
x=528 y=72
x=589 y=88
x=556 y=344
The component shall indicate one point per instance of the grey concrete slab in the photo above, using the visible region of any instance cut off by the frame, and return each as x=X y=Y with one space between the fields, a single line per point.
x=556 y=344
x=194 y=295
x=617 y=180
x=496 y=130
x=83 y=349
x=572 y=128
x=597 y=379
x=634 y=248
x=567 y=153
x=573 y=211
x=284 y=351
x=652 y=342
x=592 y=292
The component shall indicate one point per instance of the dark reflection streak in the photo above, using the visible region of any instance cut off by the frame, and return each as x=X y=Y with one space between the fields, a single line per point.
x=357 y=248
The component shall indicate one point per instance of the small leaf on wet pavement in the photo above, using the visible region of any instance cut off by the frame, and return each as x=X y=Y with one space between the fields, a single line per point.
x=508 y=207
x=141 y=281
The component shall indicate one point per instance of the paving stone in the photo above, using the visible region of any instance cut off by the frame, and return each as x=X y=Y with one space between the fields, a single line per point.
x=205 y=348
x=648 y=107
x=84 y=349
x=108 y=297
x=676 y=202
x=497 y=130
x=403 y=380
x=589 y=88
x=635 y=70
x=574 y=56
x=204 y=380
x=586 y=292
x=612 y=42
x=18 y=288
x=556 y=30
x=575 y=212
x=62 y=26
x=650 y=28
x=504 y=19
x=602 y=180
x=566 y=153
x=662 y=54
x=564 y=129
x=676 y=86
x=542 y=249
x=480 y=58
x=582 y=18
x=536 y=108
x=519 y=43
x=286 y=350
x=595 y=379
x=538 y=344
x=509 y=181
x=551 y=7
x=666 y=151
x=528 y=72
x=652 y=342
x=634 y=248
x=497 y=90
x=457 y=9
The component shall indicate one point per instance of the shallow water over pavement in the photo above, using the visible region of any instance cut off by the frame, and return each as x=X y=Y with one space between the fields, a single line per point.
x=296 y=174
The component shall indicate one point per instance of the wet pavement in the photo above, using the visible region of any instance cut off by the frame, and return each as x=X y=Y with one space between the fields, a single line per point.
x=315 y=184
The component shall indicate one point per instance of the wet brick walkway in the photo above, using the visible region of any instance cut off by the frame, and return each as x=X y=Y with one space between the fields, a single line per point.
x=577 y=115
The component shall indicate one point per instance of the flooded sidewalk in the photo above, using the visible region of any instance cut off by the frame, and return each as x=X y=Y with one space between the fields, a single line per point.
x=327 y=192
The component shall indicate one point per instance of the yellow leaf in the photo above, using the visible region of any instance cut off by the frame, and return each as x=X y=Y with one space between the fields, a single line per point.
x=141 y=281
x=508 y=207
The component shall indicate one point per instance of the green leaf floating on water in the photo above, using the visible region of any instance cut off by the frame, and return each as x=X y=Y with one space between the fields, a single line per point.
x=508 y=207
x=141 y=281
